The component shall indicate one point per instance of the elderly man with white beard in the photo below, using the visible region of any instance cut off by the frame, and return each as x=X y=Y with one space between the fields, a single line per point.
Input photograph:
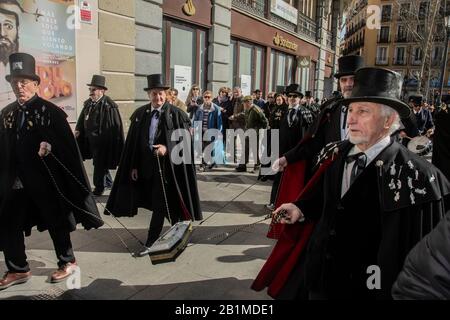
x=373 y=203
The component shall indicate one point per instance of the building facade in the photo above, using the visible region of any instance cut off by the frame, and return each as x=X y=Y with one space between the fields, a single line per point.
x=398 y=43
x=254 y=44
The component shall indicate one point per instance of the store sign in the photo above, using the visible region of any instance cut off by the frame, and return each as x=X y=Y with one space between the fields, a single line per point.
x=182 y=81
x=304 y=62
x=279 y=41
x=85 y=12
x=284 y=10
x=189 y=8
x=47 y=32
x=246 y=84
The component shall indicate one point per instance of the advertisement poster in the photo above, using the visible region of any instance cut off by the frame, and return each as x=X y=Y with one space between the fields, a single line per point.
x=46 y=30
x=246 y=84
x=182 y=81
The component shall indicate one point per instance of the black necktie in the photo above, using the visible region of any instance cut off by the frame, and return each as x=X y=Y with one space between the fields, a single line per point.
x=155 y=113
x=359 y=165
x=291 y=116
x=344 y=111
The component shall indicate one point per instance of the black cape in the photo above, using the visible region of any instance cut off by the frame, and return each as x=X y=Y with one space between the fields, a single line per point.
x=44 y=121
x=386 y=211
x=127 y=195
x=110 y=138
x=426 y=273
x=441 y=142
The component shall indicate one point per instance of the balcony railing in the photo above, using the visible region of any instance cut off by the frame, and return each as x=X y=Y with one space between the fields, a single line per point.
x=307 y=26
x=282 y=22
x=257 y=7
x=436 y=62
x=401 y=39
x=399 y=61
x=381 y=62
x=384 y=40
x=329 y=38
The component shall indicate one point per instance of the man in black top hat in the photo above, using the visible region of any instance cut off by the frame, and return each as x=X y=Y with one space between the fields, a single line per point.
x=373 y=203
x=331 y=122
x=148 y=177
x=310 y=103
x=423 y=117
x=99 y=133
x=29 y=176
x=329 y=126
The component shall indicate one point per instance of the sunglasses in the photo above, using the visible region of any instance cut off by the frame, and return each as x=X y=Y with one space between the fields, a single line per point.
x=207 y=97
x=292 y=96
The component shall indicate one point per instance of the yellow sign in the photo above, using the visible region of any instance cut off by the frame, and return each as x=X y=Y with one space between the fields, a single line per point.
x=189 y=8
x=284 y=43
x=303 y=62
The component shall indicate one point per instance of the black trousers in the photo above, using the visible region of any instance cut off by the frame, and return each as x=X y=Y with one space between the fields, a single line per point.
x=12 y=235
x=275 y=187
x=102 y=178
x=154 y=188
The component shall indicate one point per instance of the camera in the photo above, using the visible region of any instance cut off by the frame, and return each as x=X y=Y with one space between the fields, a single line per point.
x=199 y=101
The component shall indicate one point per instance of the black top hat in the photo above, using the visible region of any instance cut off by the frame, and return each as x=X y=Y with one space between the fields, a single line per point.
x=379 y=85
x=445 y=98
x=294 y=88
x=98 y=81
x=416 y=99
x=348 y=65
x=307 y=93
x=156 y=81
x=22 y=65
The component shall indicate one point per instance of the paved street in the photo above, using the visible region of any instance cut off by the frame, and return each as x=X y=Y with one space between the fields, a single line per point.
x=207 y=269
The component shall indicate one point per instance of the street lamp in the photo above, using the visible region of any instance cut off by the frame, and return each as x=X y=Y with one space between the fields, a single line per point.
x=444 y=63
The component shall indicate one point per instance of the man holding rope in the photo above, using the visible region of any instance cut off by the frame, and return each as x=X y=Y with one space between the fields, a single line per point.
x=34 y=189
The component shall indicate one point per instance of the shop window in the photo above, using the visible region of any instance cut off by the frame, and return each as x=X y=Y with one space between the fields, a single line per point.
x=248 y=61
x=281 y=69
x=185 y=45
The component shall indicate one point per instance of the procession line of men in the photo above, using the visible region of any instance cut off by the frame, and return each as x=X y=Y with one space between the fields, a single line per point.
x=32 y=128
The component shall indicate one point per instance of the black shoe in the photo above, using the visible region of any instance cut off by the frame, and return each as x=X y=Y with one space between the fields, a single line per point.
x=98 y=192
x=241 y=169
x=212 y=166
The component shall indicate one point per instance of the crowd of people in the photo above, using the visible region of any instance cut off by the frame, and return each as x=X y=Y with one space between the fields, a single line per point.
x=349 y=192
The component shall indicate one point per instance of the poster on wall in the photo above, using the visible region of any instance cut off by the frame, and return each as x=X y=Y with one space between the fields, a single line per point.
x=246 y=84
x=182 y=81
x=46 y=30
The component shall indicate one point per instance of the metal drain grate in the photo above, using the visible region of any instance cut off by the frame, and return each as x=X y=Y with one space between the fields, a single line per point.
x=52 y=293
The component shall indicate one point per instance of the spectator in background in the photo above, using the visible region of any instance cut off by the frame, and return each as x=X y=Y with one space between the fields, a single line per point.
x=192 y=100
x=237 y=120
x=424 y=120
x=226 y=108
x=210 y=117
x=177 y=102
x=258 y=100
